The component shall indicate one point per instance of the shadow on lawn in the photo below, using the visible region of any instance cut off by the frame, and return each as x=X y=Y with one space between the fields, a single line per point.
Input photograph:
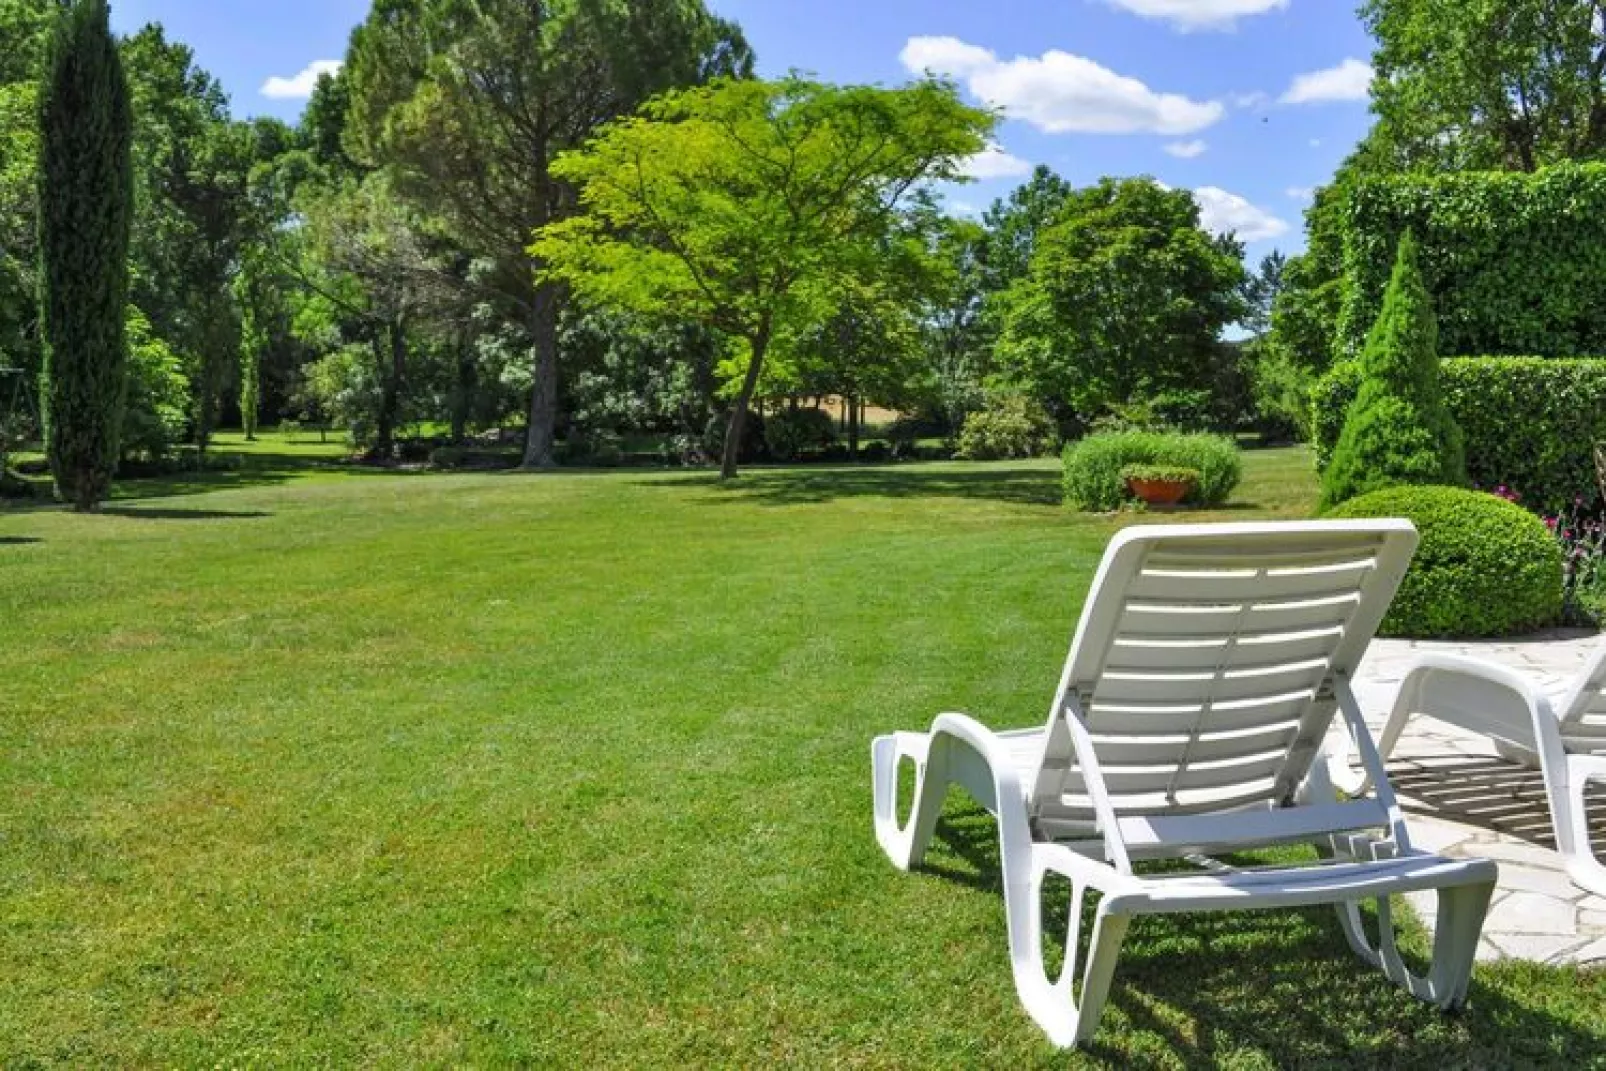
x=18 y=541
x=791 y=487
x=140 y=514
x=1283 y=983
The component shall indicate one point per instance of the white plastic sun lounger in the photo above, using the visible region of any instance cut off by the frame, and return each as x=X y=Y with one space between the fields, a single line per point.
x=1208 y=665
x=1569 y=750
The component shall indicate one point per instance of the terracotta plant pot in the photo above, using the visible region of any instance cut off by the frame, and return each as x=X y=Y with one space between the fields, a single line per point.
x=1160 y=492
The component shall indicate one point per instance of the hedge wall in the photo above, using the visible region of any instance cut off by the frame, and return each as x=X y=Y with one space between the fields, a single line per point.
x=1531 y=423
x=1514 y=261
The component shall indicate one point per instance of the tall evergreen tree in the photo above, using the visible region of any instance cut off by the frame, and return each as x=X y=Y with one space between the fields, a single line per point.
x=1398 y=430
x=86 y=203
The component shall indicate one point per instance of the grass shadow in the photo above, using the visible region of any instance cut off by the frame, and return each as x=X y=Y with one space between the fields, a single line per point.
x=1207 y=986
x=141 y=514
x=18 y=541
x=793 y=486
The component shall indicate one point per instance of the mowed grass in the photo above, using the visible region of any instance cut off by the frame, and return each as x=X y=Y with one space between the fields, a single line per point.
x=574 y=770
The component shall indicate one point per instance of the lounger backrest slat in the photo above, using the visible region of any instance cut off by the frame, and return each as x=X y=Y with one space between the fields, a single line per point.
x=1203 y=665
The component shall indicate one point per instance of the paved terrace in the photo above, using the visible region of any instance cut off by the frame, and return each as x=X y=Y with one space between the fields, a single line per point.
x=1463 y=799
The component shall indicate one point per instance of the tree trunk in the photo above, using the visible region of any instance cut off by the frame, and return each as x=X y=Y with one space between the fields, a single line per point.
x=390 y=396
x=853 y=427
x=738 y=421
x=463 y=394
x=544 y=394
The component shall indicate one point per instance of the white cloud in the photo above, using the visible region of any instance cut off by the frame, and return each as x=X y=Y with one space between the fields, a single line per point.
x=1227 y=213
x=1257 y=99
x=1350 y=80
x=993 y=162
x=1300 y=193
x=300 y=86
x=963 y=209
x=1315 y=143
x=1199 y=14
x=1186 y=150
x=1060 y=93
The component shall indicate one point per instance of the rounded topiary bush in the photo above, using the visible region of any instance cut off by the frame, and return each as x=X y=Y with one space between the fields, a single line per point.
x=1485 y=566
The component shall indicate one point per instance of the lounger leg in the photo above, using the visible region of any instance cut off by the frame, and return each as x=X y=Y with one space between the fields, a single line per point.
x=1067 y=1018
x=1455 y=943
x=906 y=845
x=1572 y=823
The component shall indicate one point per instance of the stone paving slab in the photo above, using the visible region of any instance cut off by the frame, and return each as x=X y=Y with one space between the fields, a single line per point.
x=1461 y=798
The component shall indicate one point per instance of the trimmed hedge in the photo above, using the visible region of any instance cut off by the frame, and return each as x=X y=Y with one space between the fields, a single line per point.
x=1485 y=567
x=1530 y=423
x=1093 y=467
x=1513 y=261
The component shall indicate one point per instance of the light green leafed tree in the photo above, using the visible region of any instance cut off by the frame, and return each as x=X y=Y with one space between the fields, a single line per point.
x=86 y=204
x=726 y=204
x=467 y=102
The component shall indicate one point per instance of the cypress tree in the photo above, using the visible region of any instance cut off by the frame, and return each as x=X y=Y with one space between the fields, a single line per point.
x=86 y=205
x=1398 y=429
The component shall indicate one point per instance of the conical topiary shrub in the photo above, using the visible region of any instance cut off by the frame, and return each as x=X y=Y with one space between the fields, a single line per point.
x=1398 y=430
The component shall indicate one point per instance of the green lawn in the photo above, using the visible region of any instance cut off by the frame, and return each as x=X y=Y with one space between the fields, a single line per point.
x=323 y=768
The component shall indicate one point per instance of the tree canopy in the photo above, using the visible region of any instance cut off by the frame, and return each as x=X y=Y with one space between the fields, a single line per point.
x=1125 y=299
x=727 y=204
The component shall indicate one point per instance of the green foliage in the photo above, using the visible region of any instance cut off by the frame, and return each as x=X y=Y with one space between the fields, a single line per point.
x=1126 y=298
x=1530 y=423
x=1398 y=430
x=86 y=202
x=1093 y=478
x=345 y=387
x=1280 y=392
x=1012 y=425
x=1161 y=473
x=1485 y=567
x=195 y=217
x=156 y=411
x=734 y=204
x=1513 y=261
x=1469 y=84
x=791 y=434
x=466 y=106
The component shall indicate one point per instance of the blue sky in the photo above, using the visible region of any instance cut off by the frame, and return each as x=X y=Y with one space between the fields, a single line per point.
x=1248 y=102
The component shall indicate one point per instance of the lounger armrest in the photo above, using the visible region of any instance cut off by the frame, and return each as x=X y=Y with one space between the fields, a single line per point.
x=1477 y=696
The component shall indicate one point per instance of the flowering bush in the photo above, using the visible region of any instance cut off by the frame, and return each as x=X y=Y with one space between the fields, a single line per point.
x=1582 y=537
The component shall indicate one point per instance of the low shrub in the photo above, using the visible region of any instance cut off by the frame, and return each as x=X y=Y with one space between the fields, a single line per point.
x=599 y=447
x=1093 y=467
x=876 y=451
x=752 y=447
x=790 y=434
x=1530 y=423
x=1011 y=426
x=1485 y=567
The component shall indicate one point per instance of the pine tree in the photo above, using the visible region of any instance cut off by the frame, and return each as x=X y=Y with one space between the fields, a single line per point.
x=1398 y=430
x=86 y=204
